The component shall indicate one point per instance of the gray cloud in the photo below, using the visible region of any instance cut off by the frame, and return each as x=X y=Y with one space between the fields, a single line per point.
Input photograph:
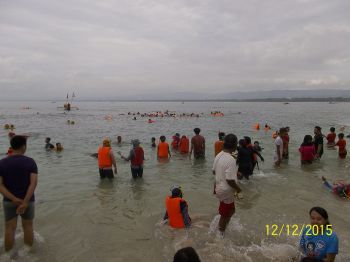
x=116 y=48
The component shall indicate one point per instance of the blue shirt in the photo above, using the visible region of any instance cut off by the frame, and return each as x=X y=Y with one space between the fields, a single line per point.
x=318 y=246
x=15 y=172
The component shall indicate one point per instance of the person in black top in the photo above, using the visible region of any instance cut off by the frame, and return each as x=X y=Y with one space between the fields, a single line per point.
x=318 y=142
x=48 y=145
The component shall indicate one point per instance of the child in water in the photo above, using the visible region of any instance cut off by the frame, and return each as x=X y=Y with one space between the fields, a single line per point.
x=342 y=146
x=58 y=147
x=331 y=137
x=339 y=188
x=153 y=142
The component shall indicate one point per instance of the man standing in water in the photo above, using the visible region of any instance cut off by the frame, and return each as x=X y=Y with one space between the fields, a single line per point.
x=105 y=160
x=197 y=144
x=318 y=142
x=136 y=157
x=18 y=180
x=225 y=171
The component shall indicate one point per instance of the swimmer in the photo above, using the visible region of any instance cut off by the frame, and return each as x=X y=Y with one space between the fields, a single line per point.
x=48 y=145
x=257 y=147
x=177 y=210
x=219 y=144
x=58 y=147
x=68 y=122
x=176 y=141
x=339 y=188
x=331 y=137
x=6 y=126
x=341 y=143
x=119 y=140
x=11 y=134
x=307 y=151
x=153 y=142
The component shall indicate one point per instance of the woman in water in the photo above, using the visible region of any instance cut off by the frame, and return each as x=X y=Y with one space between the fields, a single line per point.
x=307 y=151
x=319 y=242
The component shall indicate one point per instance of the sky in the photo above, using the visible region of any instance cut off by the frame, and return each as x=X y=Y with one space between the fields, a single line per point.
x=126 y=48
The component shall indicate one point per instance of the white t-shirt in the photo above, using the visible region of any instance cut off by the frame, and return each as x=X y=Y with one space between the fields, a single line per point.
x=278 y=142
x=225 y=168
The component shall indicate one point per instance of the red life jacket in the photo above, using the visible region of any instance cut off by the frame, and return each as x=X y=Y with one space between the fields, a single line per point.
x=138 y=157
x=174 y=212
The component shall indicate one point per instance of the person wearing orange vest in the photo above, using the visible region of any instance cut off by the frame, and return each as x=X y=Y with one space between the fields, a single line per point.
x=136 y=157
x=177 y=210
x=219 y=144
x=184 y=145
x=163 y=148
x=106 y=160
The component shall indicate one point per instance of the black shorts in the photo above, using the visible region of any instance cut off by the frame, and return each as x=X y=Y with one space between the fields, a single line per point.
x=106 y=173
x=136 y=172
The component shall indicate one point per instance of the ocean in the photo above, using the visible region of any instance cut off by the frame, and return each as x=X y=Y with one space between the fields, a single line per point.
x=80 y=218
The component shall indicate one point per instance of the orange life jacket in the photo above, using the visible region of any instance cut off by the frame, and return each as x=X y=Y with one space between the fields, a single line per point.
x=257 y=126
x=218 y=146
x=184 y=145
x=163 y=150
x=104 y=159
x=174 y=212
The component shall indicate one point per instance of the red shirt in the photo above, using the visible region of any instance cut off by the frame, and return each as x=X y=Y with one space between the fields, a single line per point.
x=342 y=144
x=331 y=138
x=307 y=153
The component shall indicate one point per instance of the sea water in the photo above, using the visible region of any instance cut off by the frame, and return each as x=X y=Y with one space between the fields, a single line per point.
x=80 y=218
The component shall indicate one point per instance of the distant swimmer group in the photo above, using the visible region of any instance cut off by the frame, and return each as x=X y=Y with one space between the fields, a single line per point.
x=9 y=126
x=49 y=146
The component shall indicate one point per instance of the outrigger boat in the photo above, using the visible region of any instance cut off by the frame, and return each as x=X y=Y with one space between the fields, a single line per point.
x=68 y=105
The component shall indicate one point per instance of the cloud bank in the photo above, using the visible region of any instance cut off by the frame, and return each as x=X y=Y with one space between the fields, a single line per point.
x=110 y=49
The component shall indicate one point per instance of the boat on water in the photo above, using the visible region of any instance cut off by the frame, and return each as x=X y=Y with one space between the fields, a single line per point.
x=68 y=104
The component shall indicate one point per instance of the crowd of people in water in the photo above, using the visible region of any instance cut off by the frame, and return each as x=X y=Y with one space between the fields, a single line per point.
x=166 y=113
x=235 y=159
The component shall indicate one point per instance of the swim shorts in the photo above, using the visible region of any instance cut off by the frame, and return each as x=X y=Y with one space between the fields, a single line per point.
x=10 y=211
x=106 y=173
x=226 y=210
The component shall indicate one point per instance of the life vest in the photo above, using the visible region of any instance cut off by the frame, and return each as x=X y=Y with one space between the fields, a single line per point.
x=138 y=157
x=104 y=159
x=257 y=126
x=184 y=145
x=174 y=212
x=163 y=150
x=218 y=146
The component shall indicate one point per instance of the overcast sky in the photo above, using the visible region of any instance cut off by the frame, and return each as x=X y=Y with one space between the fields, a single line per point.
x=102 y=49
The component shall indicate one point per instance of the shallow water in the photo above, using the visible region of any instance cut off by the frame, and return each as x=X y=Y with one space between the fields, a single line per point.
x=80 y=218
